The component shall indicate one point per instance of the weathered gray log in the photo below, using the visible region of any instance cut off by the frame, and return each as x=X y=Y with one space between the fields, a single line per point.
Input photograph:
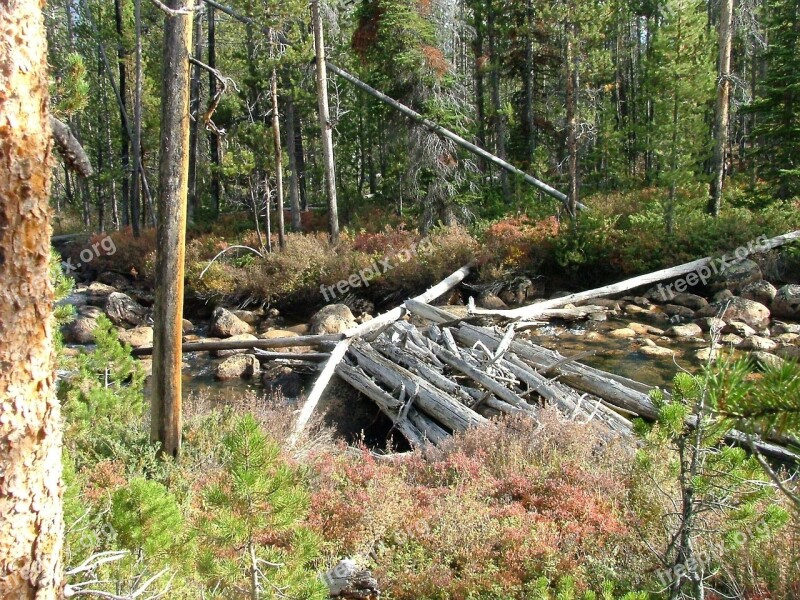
x=287 y=342
x=434 y=402
x=388 y=404
x=576 y=375
x=534 y=310
x=304 y=356
x=363 y=329
x=498 y=389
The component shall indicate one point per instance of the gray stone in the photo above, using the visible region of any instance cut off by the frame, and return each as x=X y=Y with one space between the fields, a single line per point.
x=237 y=367
x=224 y=324
x=761 y=291
x=731 y=339
x=787 y=302
x=690 y=330
x=791 y=339
x=692 y=301
x=677 y=310
x=736 y=276
x=765 y=360
x=738 y=328
x=722 y=295
x=331 y=319
x=755 y=314
x=656 y=351
x=779 y=327
x=137 y=337
x=757 y=342
x=491 y=302
x=711 y=323
x=622 y=333
x=126 y=312
x=79 y=331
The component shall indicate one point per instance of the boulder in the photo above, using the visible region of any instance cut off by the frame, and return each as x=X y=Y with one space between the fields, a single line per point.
x=757 y=342
x=278 y=333
x=779 y=327
x=730 y=339
x=736 y=276
x=237 y=367
x=755 y=314
x=690 y=330
x=491 y=302
x=188 y=326
x=656 y=351
x=738 y=328
x=334 y=318
x=678 y=310
x=248 y=316
x=126 y=312
x=792 y=339
x=283 y=380
x=722 y=295
x=242 y=337
x=224 y=324
x=301 y=329
x=765 y=360
x=760 y=291
x=692 y=301
x=89 y=311
x=622 y=333
x=711 y=323
x=643 y=329
x=137 y=337
x=789 y=352
x=705 y=354
x=787 y=302
x=79 y=331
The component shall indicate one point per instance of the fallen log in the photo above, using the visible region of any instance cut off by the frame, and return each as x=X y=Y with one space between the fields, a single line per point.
x=363 y=329
x=304 y=356
x=287 y=342
x=541 y=308
x=448 y=411
x=388 y=404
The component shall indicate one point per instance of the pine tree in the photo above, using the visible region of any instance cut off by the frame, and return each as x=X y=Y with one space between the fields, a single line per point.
x=250 y=535
x=711 y=480
x=777 y=108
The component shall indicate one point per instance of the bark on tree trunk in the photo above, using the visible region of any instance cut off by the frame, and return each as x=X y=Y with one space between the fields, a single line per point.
x=125 y=141
x=723 y=107
x=213 y=139
x=325 y=124
x=136 y=142
x=572 y=123
x=498 y=119
x=276 y=133
x=30 y=423
x=291 y=150
x=171 y=235
x=194 y=132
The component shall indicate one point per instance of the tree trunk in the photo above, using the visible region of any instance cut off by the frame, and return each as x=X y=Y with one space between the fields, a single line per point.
x=572 y=123
x=276 y=133
x=498 y=120
x=194 y=131
x=480 y=101
x=125 y=141
x=291 y=150
x=213 y=139
x=171 y=235
x=137 y=118
x=723 y=107
x=31 y=537
x=325 y=124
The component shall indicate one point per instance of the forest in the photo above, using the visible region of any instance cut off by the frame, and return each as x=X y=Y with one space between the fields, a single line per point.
x=411 y=299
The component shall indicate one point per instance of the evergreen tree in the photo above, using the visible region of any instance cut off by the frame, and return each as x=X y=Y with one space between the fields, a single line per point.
x=777 y=108
x=250 y=534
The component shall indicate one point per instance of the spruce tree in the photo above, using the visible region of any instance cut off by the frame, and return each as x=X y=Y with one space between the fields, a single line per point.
x=777 y=108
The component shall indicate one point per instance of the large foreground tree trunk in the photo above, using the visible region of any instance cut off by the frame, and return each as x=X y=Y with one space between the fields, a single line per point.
x=30 y=430
x=165 y=410
x=722 y=113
